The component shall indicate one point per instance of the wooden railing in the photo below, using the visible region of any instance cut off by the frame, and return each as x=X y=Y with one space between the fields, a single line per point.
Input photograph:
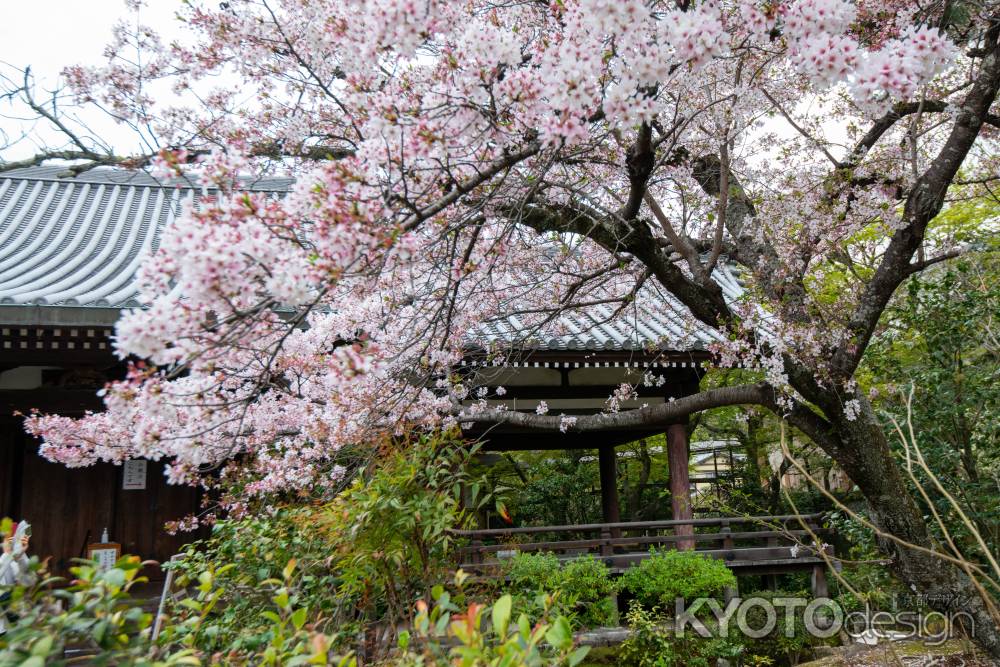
x=757 y=544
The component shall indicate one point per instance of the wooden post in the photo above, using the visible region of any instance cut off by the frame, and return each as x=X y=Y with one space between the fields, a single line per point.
x=680 y=484
x=609 y=486
x=771 y=580
x=819 y=587
x=606 y=549
x=727 y=539
x=477 y=554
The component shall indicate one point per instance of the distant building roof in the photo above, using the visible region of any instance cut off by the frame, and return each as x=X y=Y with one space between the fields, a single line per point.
x=70 y=249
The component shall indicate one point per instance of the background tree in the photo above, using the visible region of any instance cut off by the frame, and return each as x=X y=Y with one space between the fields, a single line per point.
x=942 y=343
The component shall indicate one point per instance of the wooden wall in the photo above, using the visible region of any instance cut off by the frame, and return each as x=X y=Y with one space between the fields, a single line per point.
x=68 y=507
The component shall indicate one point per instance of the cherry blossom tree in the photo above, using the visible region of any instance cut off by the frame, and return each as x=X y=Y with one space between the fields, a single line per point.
x=458 y=162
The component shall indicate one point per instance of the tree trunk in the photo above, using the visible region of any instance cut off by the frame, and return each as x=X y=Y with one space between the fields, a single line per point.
x=867 y=458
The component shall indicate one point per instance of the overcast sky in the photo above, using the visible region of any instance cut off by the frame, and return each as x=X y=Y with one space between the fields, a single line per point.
x=50 y=34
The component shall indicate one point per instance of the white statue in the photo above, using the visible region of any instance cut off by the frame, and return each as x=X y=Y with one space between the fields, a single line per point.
x=14 y=568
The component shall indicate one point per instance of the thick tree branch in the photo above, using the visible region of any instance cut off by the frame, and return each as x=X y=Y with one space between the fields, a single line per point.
x=706 y=302
x=917 y=267
x=640 y=161
x=680 y=244
x=661 y=414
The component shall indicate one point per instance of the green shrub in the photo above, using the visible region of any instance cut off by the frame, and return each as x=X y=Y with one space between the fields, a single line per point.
x=581 y=589
x=97 y=614
x=362 y=559
x=653 y=643
x=667 y=575
x=261 y=547
x=776 y=646
x=588 y=589
x=391 y=529
x=870 y=582
x=447 y=634
x=532 y=572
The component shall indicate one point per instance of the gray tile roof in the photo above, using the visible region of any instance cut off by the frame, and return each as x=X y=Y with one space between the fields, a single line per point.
x=655 y=321
x=75 y=244
x=111 y=176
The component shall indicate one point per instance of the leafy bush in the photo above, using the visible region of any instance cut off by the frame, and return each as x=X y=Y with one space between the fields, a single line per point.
x=587 y=586
x=528 y=571
x=557 y=491
x=97 y=614
x=776 y=647
x=363 y=558
x=581 y=589
x=873 y=584
x=390 y=530
x=262 y=547
x=667 y=575
x=290 y=638
x=653 y=644
x=444 y=634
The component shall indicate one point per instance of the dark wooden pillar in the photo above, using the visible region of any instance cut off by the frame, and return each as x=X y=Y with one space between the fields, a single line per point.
x=818 y=583
x=680 y=484
x=609 y=486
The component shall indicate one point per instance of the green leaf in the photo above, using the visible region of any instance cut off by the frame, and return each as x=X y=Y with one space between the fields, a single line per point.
x=115 y=577
x=577 y=656
x=524 y=626
x=442 y=624
x=299 y=618
x=42 y=647
x=560 y=635
x=501 y=615
x=100 y=629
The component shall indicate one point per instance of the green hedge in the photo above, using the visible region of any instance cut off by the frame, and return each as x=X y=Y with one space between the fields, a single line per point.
x=659 y=580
